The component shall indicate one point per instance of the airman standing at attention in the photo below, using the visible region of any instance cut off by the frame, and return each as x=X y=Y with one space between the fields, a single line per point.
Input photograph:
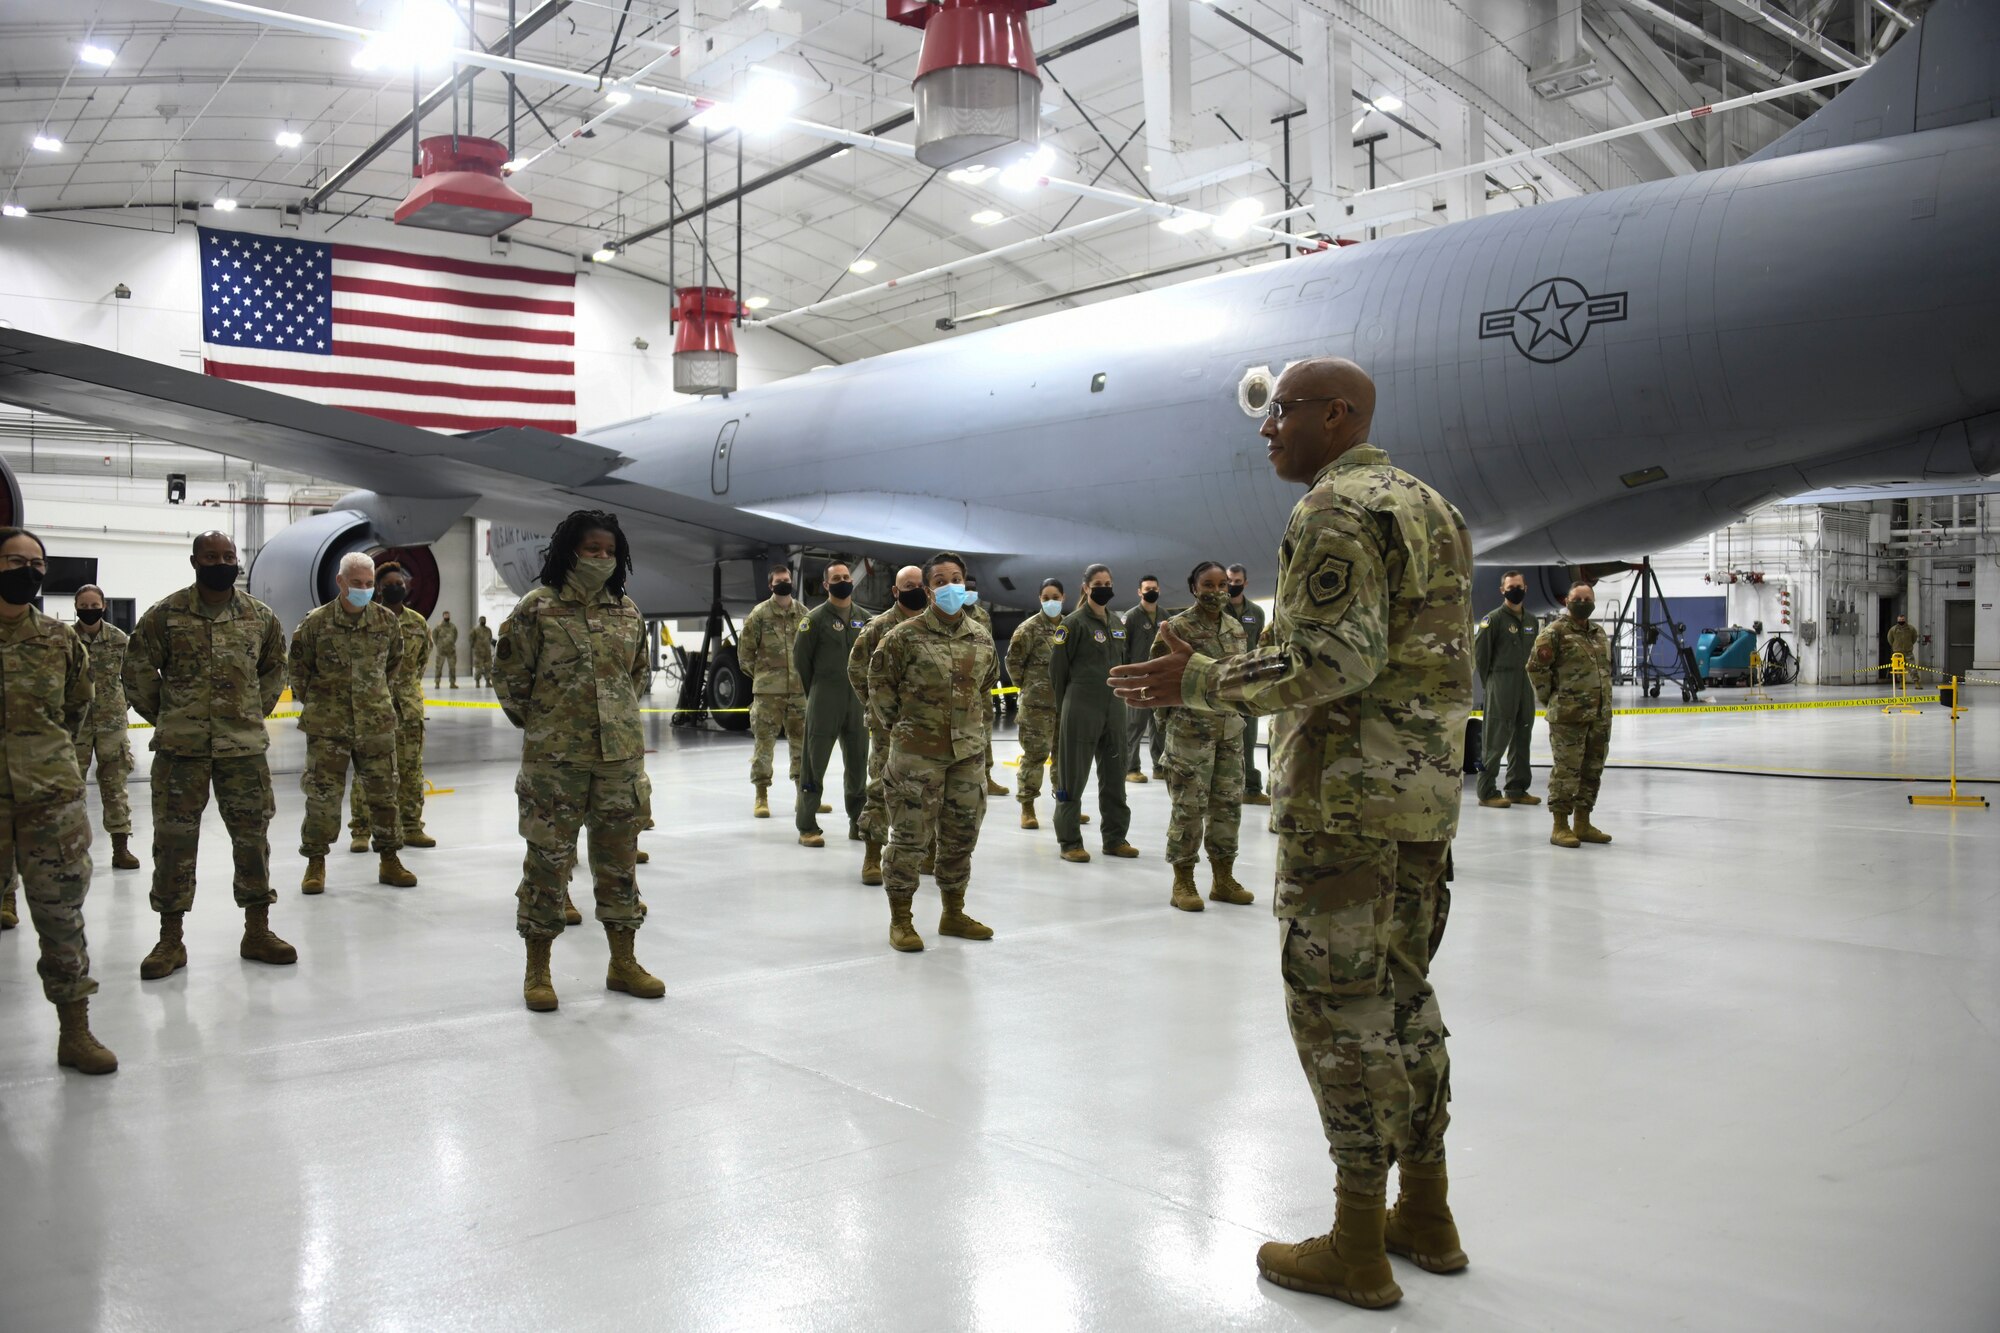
x=1251 y=617
x=1035 y=713
x=930 y=687
x=911 y=599
x=834 y=714
x=107 y=737
x=777 y=701
x=406 y=691
x=482 y=655
x=1903 y=639
x=1205 y=754
x=206 y=665
x=1505 y=641
x=1092 y=724
x=445 y=640
x=569 y=668
x=1571 y=671
x=977 y=610
x=1144 y=732
x=1369 y=670
x=45 y=691
x=344 y=655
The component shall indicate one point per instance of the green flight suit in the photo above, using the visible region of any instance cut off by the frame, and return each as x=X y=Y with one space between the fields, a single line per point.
x=1500 y=652
x=1251 y=616
x=834 y=712
x=1143 y=727
x=1091 y=724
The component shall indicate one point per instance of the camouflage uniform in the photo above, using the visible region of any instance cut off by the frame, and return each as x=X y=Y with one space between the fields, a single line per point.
x=1092 y=724
x=980 y=616
x=1903 y=639
x=834 y=713
x=569 y=673
x=45 y=692
x=1501 y=651
x=875 y=808
x=1369 y=672
x=929 y=688
x=444 y=639
x=106 y=736
x=1144 y=732
x=1571 y=671
x=777 y=702
x=1204 y=757
x=341 y=663
x=406 y=690
x=1035 y=714
x=206 y=677
x=482 y=653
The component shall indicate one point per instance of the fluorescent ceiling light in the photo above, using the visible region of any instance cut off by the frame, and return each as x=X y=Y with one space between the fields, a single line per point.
x=516 y=164
x=12 y=211
x=1387 y=102
x=843 y=152
x=290 y=138
x=1181 y=224
x=764 y=4
x=972 y=175
x=44 y=144
x=1236 y=219
x=225 y=205
x=986 y=217
x=421 y=35
x=96 y=55
x=758 y=302
x=1029 y=171
x=862 y=266
x=618 y=97
x=604 y=254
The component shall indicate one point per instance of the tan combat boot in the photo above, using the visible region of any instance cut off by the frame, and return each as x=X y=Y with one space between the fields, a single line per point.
x=1496 y=803
x=391 y=871
x=1562 y=837
x=871 y=863
x=169 y=955
x=1223 y=887
x=1257 y=798
x=993 y=788
x=538 y=992
x=1124 y=849
x=259 y=944
x=121 y=852
x=825 y=809
x=357 y=842
x=1524 y=799
x=1135 y=776
x=812 y=840
x=762 y=810
x=625 y=974
x=1349 y=1263
x=10 y=910
x=571 y=917
x=419 y=839
x=1420 y=1226
x=903 y=935
x=76 y=1048
x=1185 y=895
x=1076 y=854
x=315 y=876
x=954 y=921
x=1028 y=819
x=1585 y=830
x=854 y=830
x=642 y=857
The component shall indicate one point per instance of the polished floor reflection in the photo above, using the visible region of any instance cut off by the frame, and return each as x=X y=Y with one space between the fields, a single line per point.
x=1734 y=1071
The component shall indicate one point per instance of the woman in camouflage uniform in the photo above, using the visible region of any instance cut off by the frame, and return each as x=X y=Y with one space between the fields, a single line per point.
x=1205 y=754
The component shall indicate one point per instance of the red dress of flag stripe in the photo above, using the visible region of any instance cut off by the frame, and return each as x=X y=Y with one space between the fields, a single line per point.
x=446 y=344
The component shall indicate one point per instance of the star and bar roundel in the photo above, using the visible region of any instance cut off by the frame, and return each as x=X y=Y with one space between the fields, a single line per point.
x=1552 y=319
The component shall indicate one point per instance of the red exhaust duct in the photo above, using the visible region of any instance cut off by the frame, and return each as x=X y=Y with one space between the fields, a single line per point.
x=704 y=342
x=462 y=188
x=978 y=92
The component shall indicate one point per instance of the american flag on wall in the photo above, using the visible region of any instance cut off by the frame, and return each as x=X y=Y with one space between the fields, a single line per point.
x=446 y=344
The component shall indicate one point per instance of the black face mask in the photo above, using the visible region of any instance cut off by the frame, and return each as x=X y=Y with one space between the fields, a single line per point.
x=395 y=594
x=781 y=590
x=90 y=615
x=1150 y=596
x=1235 y=590
x=217 y=578
x=912 y=599
x=1103 y=596
x=840 y=591
x=1515 y=596
x=20 y=586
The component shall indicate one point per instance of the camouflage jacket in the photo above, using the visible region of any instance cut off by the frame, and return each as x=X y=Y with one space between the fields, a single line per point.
x=863 y=654
x=341 y=668
x=1028 y=661
x=45 y=694
x=482 y=643
x=107 y=676
x=1082 y=652
x=1369 y=660
x=1571 y=671
x=406 y=682
x=206 y=683
x=929 y=686
x=1903 y=639
x=821 y=648
x=445 y=637
x=1223 y=638
x=1503 y=641
x=764 y=646
x=570 y=675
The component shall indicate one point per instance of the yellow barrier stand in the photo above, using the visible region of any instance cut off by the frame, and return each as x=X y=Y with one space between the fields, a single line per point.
x=1949 y=694
x=1899 y=681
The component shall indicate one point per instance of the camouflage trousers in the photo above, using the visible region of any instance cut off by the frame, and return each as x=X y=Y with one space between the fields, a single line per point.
x=242 y=785
x=935 y=806
x=48 y=842
x=113 y=752
x=1580 y=749
x=557 y=801
x=445 y=662
x=1205 y=782
x=770 y=714
x=324 y=781
x=1036 y=730
x=409 y=796
x=482 y=667
x=1360 y=920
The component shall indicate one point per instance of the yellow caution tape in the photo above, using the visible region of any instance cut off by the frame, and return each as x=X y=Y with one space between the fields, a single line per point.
x=1676 y=709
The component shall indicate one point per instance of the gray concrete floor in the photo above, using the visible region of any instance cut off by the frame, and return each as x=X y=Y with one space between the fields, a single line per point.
x=1735 y=1071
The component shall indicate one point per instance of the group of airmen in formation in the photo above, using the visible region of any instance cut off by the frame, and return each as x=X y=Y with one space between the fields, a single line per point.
x=1366 y=669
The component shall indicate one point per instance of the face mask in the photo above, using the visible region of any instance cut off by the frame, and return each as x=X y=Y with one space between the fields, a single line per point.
x=782 y=589
x=1211 y=601
x=1103 y=596
x=18 y=587
x=912 y=599
x=1582 y=607
x=1150 y=596
x=217 y=578
x=90 y=615
x=971 y=597
x=396 y=594
x=592 y=572
x=1053 y=610
x=840 y=591
x=950 y=598
x=1515 y=596
x=360 y=597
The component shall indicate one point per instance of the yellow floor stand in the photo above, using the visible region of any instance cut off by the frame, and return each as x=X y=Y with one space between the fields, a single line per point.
x=1952 y=797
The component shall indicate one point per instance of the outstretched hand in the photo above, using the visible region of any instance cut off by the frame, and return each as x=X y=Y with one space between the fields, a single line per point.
x=1155 y=683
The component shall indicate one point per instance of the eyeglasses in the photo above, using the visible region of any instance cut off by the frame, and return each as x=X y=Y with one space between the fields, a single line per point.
x=34 y=562
x=1276 y=411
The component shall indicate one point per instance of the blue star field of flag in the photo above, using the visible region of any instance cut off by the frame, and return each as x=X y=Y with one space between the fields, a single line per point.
x=260 y=292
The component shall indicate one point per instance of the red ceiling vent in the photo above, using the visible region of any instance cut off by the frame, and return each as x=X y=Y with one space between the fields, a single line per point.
x=978 y=94
x=460 y=188
x=704 y=342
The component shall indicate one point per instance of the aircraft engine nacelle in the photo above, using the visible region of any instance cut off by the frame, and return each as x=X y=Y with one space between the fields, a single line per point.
x=293 y=572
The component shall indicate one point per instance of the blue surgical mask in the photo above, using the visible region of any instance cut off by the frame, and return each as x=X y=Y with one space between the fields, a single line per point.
x=1052 y=610
x=971 y=597
x=951 y=598
x=360 y=597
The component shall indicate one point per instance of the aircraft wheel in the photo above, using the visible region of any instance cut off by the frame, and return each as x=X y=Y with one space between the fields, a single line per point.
x=728 y=691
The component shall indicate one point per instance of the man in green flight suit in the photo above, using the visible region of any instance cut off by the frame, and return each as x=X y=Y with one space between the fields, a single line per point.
x=764 y=651
x=834 y=713
x=1143 y=731
x=1500 y=650
x=1092 y=722
x=1251 y=617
